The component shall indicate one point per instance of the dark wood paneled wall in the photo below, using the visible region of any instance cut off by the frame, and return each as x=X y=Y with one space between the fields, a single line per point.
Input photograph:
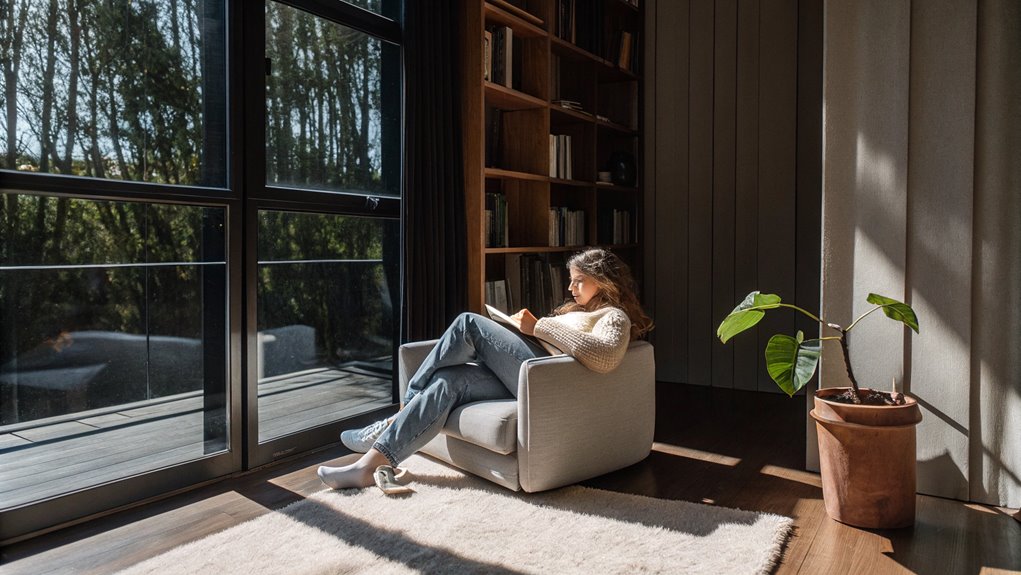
x=733 y=170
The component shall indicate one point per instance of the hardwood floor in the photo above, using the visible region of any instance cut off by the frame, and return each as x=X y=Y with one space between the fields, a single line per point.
x=720 y=447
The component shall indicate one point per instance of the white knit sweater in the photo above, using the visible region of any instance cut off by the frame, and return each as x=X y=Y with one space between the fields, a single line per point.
x=598 y=339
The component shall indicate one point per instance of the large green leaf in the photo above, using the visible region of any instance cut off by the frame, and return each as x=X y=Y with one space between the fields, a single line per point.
x=896 y=310
x=791 y=362
x=746 y=314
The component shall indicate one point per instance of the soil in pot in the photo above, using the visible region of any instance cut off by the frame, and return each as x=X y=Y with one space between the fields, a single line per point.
x=869 y=397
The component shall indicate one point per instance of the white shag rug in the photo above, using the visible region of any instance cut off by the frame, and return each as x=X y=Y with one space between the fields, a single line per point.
x=457 y=523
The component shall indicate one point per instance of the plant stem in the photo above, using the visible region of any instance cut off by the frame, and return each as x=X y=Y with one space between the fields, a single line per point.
x=847 y=364
x=862 y=316
x=827 y=338
x=809 y=314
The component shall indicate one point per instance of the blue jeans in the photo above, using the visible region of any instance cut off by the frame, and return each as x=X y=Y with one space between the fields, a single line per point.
x=477 y=359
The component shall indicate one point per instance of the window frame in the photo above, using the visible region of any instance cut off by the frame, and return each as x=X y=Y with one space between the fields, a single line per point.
x=244 y=194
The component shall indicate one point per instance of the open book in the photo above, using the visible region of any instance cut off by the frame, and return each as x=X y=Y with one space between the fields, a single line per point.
x=516 y=326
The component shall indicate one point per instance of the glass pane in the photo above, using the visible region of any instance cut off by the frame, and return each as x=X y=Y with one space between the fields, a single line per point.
x=387 y=8
x=112 y=341
x=118 y=89
x=332 y=106
x=327 y=304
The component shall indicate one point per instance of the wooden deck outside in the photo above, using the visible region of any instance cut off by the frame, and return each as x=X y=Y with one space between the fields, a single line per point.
x=44 y=461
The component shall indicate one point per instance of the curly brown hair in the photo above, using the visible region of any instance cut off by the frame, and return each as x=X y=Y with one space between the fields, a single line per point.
x=617 y=288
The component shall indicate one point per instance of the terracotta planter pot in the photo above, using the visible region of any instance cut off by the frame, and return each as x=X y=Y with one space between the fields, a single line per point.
x=867 y=460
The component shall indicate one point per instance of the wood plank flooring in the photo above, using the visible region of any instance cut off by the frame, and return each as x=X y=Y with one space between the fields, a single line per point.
x=44 y=461
x=721 y=447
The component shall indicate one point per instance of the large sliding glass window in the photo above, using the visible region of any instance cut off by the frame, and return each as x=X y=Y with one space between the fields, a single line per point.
x=115 y=377
x=199 y=241
x=328 y=228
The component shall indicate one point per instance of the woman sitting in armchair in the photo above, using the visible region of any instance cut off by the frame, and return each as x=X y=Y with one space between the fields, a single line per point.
x=478 y=359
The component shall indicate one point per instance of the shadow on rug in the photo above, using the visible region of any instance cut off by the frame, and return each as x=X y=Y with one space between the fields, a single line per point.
x=456 y=523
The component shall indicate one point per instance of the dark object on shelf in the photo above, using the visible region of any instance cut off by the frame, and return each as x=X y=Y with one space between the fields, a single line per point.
x=622 y=169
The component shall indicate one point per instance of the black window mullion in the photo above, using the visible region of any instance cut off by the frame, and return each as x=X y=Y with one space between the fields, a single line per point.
x=94 y=188
x=351 y=16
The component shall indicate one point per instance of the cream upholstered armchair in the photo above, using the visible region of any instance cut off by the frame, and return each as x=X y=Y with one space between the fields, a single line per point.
x=568 y=423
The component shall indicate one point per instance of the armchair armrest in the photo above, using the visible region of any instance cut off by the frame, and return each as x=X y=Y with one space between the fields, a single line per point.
x=409 y=358
x=574 y=423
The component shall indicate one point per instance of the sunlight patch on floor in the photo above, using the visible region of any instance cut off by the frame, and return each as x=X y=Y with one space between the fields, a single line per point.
x=696 y=454
x=806 y=477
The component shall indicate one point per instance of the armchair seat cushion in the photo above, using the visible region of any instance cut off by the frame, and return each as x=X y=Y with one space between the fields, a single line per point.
x=489 y=424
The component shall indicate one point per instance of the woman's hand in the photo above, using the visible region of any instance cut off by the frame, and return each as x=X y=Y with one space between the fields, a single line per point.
x=526 y=321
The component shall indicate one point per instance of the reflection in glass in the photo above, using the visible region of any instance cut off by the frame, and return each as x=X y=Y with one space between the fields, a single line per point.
x=112 y=341
x=326 y=314
x=326 y=125
x=117 y=89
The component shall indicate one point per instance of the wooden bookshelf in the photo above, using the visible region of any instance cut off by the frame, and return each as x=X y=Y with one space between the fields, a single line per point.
x=558 y=95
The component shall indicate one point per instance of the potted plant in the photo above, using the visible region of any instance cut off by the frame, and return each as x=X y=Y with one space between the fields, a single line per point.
x=866 y=436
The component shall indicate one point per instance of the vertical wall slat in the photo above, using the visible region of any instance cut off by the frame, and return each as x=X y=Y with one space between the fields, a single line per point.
x=995 y=431
x=940 y=219
x=746 y=236
x=809 y=162
x=647 y=157
x=777 y=153
x=865 y=184
x=700 y=206
x=671 y=334
x=724 y=297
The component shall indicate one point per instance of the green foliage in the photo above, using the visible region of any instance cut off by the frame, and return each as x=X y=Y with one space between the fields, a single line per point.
x=747 y=313
x=895 y=310
x=792 y=361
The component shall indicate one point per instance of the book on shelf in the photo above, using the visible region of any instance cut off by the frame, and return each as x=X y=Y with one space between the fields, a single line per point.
x=503 y=56
x=568 y=158
x=560 y=155
x=617 y=226
x=496 y=220
x=580 y=22
x=487 y=55
x=624 y=56
x=535 y=282
x=567 y=227
x=494 y=127
x=496 y=295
